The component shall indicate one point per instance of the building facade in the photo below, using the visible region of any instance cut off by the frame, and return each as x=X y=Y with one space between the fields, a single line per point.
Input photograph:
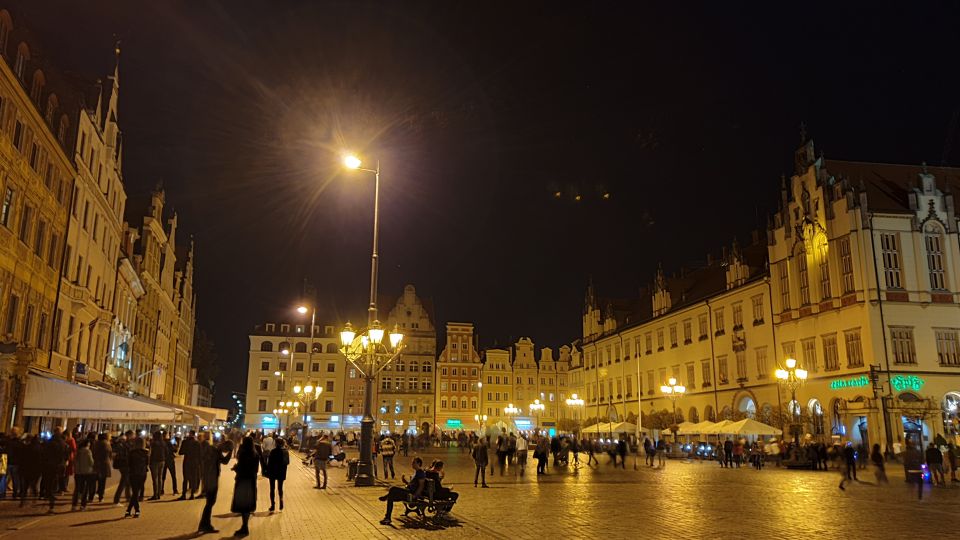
x=858 y=268
x=38 y=122
x=458 y=380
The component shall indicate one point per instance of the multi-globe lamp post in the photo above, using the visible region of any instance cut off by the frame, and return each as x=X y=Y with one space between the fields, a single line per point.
x=306 y=395
x=284 y=408
x=673 y=391
x=536 y=408
x=512 y=412
x=576 y=404
x=793 y=378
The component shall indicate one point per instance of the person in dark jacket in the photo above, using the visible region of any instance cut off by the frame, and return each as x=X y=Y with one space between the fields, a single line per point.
x=877 y=458
x=277 y=463
x=158 y=462
x=245 y=484
x=31 y=467
x=190 y=450
x=211 y=457
x=137 y=463
x=850 y=460
x=169 y=465
x=102 y=458
x=121 y=457
x=54 y=459
x=479 y=454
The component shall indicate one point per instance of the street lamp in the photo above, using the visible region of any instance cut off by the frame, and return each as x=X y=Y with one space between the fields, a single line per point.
x=284 y=408
x=306 y=396
x=793 y=377
x=481 y=419
x=302 y=309
x=511 y=411
x=576 y=404
x=674 y=392
x=536 y=407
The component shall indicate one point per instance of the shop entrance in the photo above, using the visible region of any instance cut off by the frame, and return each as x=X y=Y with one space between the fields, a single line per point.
x=913 y=431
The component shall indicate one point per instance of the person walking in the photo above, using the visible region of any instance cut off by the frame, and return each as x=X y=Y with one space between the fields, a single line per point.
x=934 y=458
x=479 y=454
x=276 y=472
x=850 y=461
x=876 y=456
x=388 y=447
x=137 y=464
x=158 y=459
x=587 y=446
x=321 y=458
x=31 y=468
x=15 y=447
x=211 y=458
x=102 y=463
x=541 y=454
x=245 y=484
x=661 y=453
x=68 y=471
x=502 y=451
x=190 y=450
x=121 y=455
x=952 y=461
x=414 y=488
x=522 y=453
x=169 y=465
x=83 y=473
x=54 y=459
x=622 y=451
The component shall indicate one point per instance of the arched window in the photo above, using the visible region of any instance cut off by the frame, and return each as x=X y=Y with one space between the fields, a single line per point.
x=301 y=347
x=933 y=240
x=331 y=348
x=6 y=25
x=23 y=56
x=62 y=129
x=693 y=416
x=816 y=417
x=747 y=407
x=52 y=105
x=708 y=413
x=266 y=346
x=317 y=347
x=36 y=88
x=284 y=346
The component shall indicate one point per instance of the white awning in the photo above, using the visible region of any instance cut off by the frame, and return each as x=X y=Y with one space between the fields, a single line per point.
x=62 y=399
x=206 y=415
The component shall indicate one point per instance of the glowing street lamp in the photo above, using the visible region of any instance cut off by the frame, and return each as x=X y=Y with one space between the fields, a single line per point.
x=576 y=404
x=673 y=391
x=793 y=378
x=536 y=407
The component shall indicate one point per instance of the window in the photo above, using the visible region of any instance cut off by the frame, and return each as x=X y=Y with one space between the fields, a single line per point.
x=283 y=366
x=890 y=250
x=386 y=383
x=846 y=264
x=463 y=387
x=903 y=348
x=35 y=157
x=948 y=346
x=443 y=371
x=473 y=372
x=830 y=360
x=673 y=335
x=636 y=347
x=757 y=302
x=298 y=366
x=738 y=316
x=266 y=346
x=722 y=369
x=443 y=386
x=650 y=383
x=934 y=243
x=443 y=403
x=804 y=278
x=42 y=331
x=687 y=331
x=702 y=323
x=329 y=387
x=823 y=252
x=851 y=339
x=718 y=321
x=282 y=385
x=328 y=405
x=20 y=64
x=26 y=224
x=331 y=367
x=86 y=214
x=659 y=339
x=39 y=237
x=648 y=339
x=761 y=355
x=626 y=350
x=7 y=207
x=28 y=325
x=262 y=405
x=705 y=374
x=629 y=386
x=263 y=384
x=809 y=347
x=18 y=135
x=741 y=365
x=463 y=402
x=264 y=366
x=784 y=285
x=454 y=373
x=691 y=375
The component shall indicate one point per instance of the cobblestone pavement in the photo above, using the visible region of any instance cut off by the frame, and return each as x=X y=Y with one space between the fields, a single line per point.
x=681 y=500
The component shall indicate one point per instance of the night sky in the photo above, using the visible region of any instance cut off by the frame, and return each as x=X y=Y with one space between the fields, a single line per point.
x=480 y=113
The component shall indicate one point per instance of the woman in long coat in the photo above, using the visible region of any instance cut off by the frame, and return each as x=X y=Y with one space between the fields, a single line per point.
x=277 y=463
x=245 y=484
x=102 y=463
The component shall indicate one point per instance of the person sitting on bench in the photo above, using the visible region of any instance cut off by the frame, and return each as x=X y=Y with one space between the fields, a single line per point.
x=415 y=488
x=440 y=493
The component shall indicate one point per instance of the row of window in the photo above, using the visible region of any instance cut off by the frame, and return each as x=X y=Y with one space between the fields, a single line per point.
x=299 y=328
x=397 y=384
x=544 y=381
x=297 y=366
x=300 y=347
x=282 y=385
x=459 y=371
x=454 y=402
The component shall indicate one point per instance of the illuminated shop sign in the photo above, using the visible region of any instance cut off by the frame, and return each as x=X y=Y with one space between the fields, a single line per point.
x=853 y=382
x=901 y=383
x=454 y=423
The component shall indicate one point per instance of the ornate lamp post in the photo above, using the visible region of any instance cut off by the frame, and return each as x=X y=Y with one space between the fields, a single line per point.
x=366 y=350
x=673 y=391
x=792 y=378
x=481 y=419
x=306 y=395
x=284 y=408
x=512 y=412
x=536 y=407
x=576 y=404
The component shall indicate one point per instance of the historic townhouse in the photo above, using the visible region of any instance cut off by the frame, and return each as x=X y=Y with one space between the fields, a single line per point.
x=38 y=126
x=856 y=280
x=497 y=391
x=458 y=380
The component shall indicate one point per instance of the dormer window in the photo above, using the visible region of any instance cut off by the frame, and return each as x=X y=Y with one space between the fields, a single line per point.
x=20 y=64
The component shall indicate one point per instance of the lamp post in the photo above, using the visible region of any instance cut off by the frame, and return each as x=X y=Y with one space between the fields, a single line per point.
x=674 y=392
x=512 y=412
x=481 y=419
x=366 y=350
x=313 y=321
x=306 y=395
x=480 y=399
x=536 y=407
x=284 y=408
x=793 y=377
x=576 y=404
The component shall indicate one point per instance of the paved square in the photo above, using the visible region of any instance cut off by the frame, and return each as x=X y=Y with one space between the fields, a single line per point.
x=683 y=500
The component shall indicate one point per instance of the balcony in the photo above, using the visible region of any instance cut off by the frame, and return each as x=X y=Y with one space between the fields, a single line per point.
x=76 y=293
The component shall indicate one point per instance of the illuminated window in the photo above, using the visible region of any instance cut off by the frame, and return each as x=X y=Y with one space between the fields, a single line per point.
x=823 y=254
x=809 y=347
x=851 y=339
x=890 y=251
x=933 y=239
x=948 y=346
x=782 y=273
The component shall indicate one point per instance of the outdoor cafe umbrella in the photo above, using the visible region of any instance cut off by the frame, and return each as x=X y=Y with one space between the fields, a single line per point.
x=749 y=426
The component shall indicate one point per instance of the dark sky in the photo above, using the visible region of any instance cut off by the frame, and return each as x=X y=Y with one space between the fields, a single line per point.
x=480 y=112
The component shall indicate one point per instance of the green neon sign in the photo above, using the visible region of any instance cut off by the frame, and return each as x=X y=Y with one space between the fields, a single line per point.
x=454 y=422
x=854 y=382
x=906 y=382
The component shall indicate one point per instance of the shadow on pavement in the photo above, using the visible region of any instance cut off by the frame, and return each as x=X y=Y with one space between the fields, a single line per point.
x=98 y=522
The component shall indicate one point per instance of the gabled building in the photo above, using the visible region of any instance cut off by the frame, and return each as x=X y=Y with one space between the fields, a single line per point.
x=458 y=380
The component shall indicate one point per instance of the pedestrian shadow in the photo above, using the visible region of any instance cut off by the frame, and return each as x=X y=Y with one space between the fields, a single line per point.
x=188 y=536
x=97 y=522
x=432 y=524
